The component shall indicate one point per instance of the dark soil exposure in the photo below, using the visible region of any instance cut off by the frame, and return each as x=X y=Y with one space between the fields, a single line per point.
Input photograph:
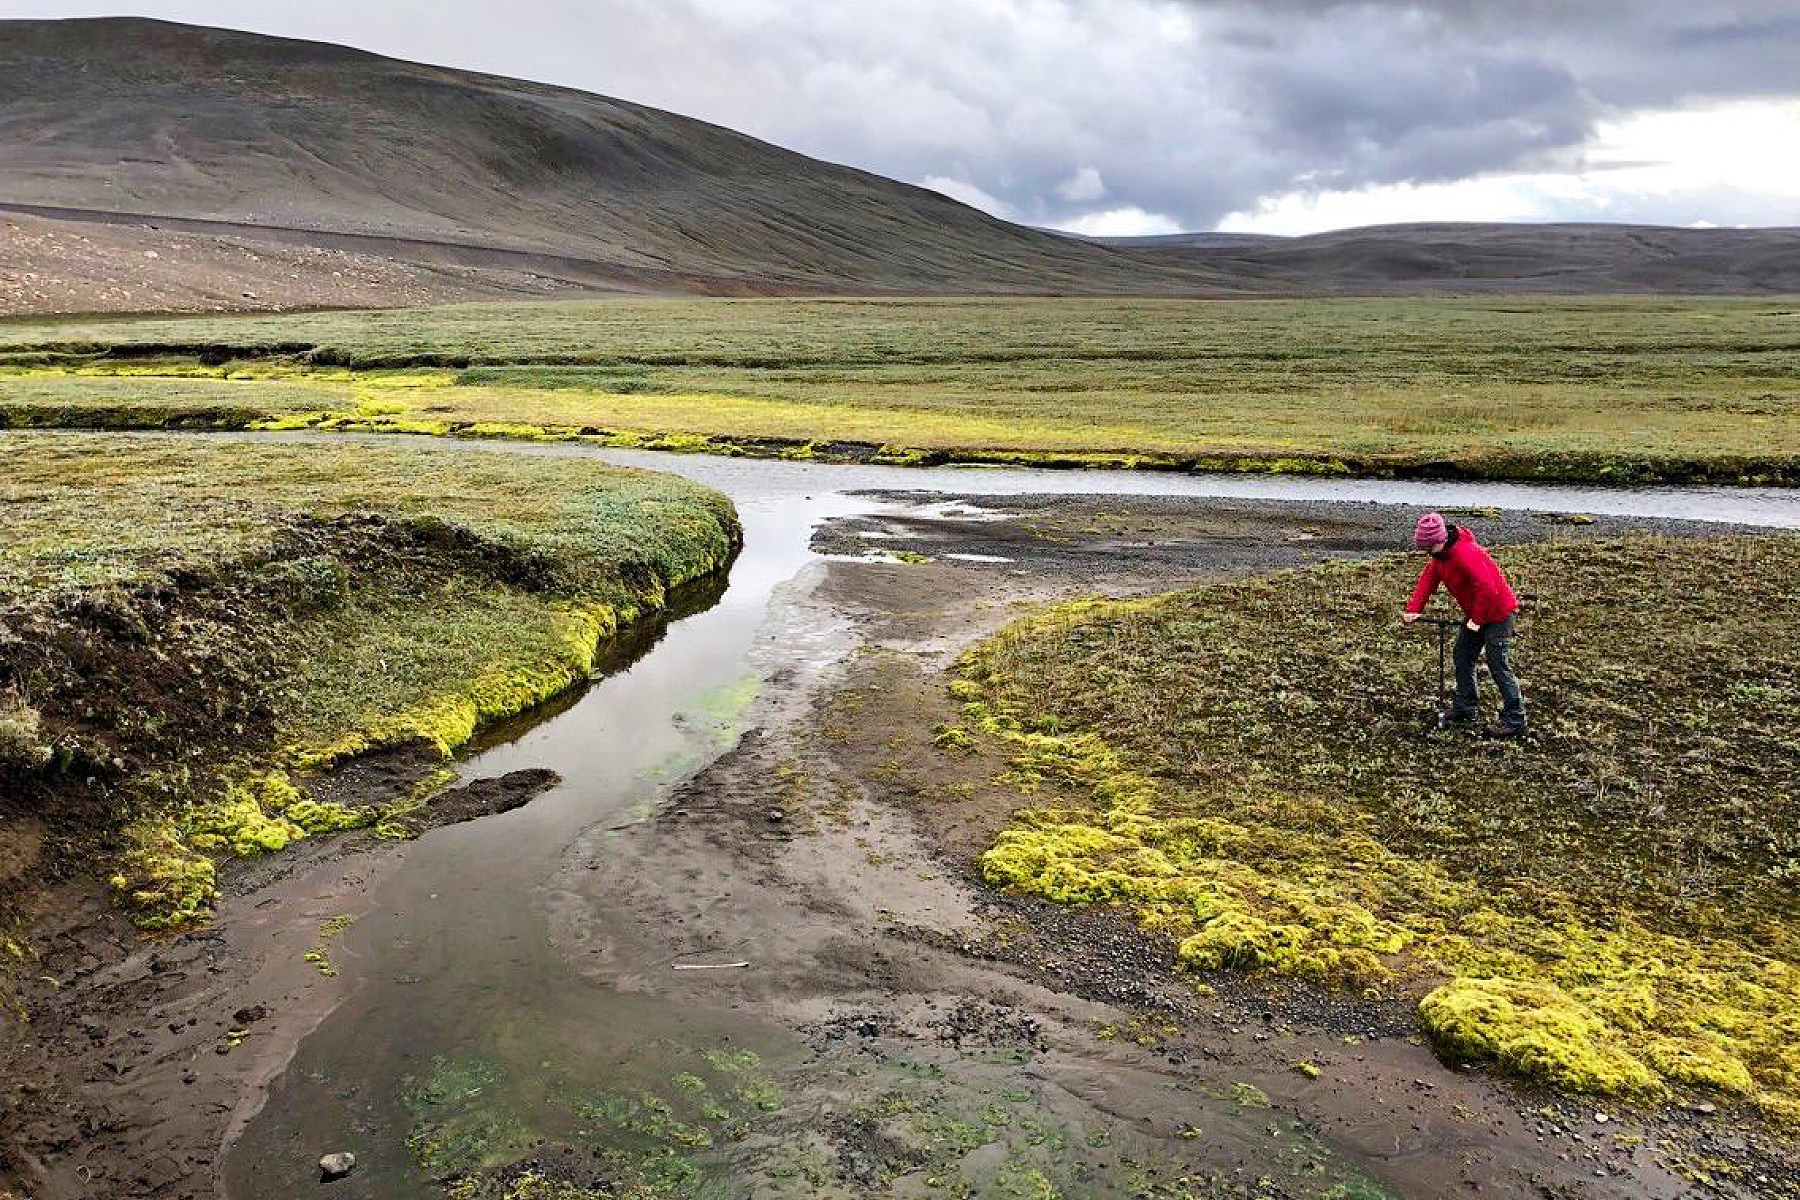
x=186 y=649
x=485 y=797
x=775 y=966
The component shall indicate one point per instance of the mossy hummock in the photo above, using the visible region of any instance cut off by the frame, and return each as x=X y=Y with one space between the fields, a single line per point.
x=1202 y=763
x=226 y=620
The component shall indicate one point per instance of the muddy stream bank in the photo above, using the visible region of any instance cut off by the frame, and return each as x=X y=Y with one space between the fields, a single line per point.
x=723 y=956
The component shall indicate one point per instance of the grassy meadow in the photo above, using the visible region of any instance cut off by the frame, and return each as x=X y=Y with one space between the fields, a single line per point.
x=1619 y=389
x=1607 y=907
x=192 y=628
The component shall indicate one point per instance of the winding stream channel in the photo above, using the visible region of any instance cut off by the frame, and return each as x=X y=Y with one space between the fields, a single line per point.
x=498 y=1001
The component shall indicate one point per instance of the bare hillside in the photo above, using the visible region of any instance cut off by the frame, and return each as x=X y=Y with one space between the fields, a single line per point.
x=153 y=166
x=144 y=117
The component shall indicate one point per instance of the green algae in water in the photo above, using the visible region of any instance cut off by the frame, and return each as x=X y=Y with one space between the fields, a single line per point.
x=732 y=1061
x=471 y=1142
x=718 y=1124
x=451 y=1081
x=725 y=704
x=454 y=1132
x=760 y=1092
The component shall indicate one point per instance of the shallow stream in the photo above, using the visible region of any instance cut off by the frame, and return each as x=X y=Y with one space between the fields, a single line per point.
x=468 y=1039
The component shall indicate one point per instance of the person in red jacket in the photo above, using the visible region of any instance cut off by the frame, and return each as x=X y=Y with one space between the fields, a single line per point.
x=1480 y=589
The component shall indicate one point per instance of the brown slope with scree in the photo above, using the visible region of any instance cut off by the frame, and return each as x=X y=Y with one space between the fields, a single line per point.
x=206 y=169
x=155 y=119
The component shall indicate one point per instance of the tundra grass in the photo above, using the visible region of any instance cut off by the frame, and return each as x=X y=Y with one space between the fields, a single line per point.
x=191 y=627
x=1608 y=907
x=1636 y=388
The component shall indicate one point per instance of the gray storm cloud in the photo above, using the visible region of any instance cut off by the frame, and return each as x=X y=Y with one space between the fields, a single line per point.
x=1054 y=109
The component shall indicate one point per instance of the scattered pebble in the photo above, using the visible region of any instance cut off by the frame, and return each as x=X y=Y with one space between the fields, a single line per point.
x=337 y=1165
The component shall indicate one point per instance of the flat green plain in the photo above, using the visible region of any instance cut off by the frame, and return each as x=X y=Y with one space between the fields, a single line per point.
x=1612 y=389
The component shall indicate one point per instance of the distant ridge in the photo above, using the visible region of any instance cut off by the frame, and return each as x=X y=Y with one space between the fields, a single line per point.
x=149 y=164
x=1561 y=257
x=1193 y=241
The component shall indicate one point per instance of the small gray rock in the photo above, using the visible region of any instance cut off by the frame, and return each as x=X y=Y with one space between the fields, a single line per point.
x=338 y=1165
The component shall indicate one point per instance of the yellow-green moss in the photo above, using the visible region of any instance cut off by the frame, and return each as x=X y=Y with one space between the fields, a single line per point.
x=1700 y=1062
x=170 y=882
x=1647 y=1008
x=1537 y=1031
x=263 y=814
x=447 y=721
x=239 y=824
x=164 y=881
x=289 y=421
x=167 y=877
x=954 y=738
x=1291 y=880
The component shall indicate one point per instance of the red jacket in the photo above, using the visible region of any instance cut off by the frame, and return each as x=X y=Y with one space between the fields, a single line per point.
x=1472 y=577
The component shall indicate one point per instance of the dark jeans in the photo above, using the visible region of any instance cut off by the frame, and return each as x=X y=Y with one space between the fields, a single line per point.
x=1495 y=642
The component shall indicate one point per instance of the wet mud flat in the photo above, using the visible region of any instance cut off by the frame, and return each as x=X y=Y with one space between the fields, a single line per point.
x=896 y=1028
x=139 y=1054
x=1180 y=538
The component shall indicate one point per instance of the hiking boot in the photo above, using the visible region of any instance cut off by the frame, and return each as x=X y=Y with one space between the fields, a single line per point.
x=1459 y=718
x=1500 y=729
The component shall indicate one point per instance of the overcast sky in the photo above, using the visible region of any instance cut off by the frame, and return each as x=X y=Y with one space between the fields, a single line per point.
x=1148 y=116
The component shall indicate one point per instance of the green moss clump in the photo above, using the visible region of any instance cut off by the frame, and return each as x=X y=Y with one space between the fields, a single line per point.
x=289 y=421
x=249 y=819
x=1538 y=1032
x=162 y=879
x=901 y=456
x=265 y=813
x=1700 y=1062
x=507 y=429
x=167 y=877
x=1249 y=942
x=954 y=738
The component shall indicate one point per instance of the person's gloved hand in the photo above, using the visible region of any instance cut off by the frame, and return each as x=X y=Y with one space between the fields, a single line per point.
x=1474 y=627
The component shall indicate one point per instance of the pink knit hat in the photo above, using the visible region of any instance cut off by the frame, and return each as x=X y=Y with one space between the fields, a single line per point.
x=1430 y=531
